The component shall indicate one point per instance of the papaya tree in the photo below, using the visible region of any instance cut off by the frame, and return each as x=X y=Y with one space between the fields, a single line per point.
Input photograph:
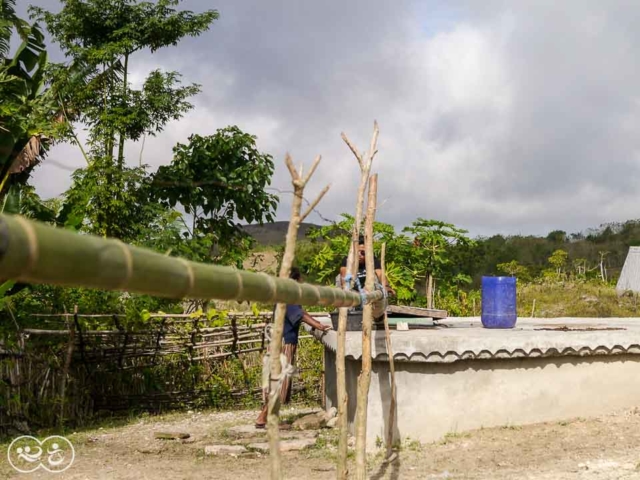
x=433 y=242
x=514 y=269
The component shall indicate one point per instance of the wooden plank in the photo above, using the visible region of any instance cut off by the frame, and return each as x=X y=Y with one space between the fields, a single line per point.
x=417 y=312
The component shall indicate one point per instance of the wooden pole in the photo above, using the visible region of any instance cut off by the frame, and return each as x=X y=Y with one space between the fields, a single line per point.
x=343 y=399
x=273 y=418
x=67 y=366
x=392 y=367
x=364 y=379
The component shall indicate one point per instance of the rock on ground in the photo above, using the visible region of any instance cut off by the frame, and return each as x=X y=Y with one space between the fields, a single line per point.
x=292 y=445
x=224 y=450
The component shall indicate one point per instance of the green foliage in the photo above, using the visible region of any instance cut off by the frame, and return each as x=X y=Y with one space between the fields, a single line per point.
x=514 y=269
x=28 y=111
x=558 y=260
x=335 y=241
x=123 y=209
x=433 y=255
x=219 y=180
x=99 y=36
x=8 y=22
x=557 y=236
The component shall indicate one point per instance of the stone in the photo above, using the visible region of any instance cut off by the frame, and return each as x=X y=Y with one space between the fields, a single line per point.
x=293 y=435
x=233 y=450
x=246 y=431
x=150 y=450
x=331 y=413
x=250 y=455
x=332 y=423
x=260 y=447
x=292 y=445
x=171 y=435
x=188 y=440
x=313 y=421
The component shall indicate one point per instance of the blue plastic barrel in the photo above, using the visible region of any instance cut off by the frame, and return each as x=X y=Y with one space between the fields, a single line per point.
x=499 y=302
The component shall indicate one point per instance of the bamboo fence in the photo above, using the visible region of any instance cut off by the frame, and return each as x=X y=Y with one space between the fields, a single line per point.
x=56 y=375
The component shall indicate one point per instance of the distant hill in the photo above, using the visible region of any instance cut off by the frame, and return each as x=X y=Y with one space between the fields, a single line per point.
x=275 y=233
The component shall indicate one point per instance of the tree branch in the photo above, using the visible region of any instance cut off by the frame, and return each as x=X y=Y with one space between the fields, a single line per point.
x=374 y=142
x=313 y=169
x=292 y=169
x=314 y=203
x=353 y=149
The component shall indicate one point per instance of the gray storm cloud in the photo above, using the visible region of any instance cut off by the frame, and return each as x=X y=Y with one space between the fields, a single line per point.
x=511 y=117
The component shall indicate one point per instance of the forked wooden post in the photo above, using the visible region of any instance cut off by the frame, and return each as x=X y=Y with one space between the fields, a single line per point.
x=392 y=368
x=364 y=379
x=299 y=182
x=364 y=163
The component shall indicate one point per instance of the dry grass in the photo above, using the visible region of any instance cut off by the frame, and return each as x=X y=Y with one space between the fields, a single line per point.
x=571 y=299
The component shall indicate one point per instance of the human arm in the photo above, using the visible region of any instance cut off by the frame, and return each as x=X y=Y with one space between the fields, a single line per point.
x=312 y=322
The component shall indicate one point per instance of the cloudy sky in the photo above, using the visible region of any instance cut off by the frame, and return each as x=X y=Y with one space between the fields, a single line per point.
x=498 y=116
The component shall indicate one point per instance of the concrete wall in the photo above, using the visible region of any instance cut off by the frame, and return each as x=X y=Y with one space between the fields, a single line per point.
x=436 y=399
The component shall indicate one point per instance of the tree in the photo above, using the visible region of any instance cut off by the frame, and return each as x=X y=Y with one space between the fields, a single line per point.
x=580 y=265
x=514 y=269
x=557 y=236
x=603 y=267
x=558 y=261
x=433 y=241
x=124 y=210
x=219 y=180
x=98 y=38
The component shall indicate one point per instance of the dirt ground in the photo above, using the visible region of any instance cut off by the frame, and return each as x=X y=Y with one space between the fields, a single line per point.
x=598 y=448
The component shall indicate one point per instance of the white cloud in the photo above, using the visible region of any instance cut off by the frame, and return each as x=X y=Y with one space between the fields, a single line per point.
x=497 y=116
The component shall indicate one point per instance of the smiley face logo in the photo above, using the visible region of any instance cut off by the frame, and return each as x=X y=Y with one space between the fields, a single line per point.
x=54 y=454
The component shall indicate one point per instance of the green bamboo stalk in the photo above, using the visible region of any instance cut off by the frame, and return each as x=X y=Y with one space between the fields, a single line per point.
x=34 y=252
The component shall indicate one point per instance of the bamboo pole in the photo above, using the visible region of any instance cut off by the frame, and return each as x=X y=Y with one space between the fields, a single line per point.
x=364 y=379
x=273 y=424
x=343 y=398
x=392 y=367
x=38 y=253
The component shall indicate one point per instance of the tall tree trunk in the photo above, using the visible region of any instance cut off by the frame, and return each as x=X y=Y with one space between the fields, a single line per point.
x=341 y=379
x=275 y=346
x=429 y=290
x=364 y=379
x=124 y=97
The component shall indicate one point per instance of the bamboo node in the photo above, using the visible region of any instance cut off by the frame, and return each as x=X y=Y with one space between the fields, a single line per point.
x=273 y=286
x=240 y=285
x=190 y=274
x=128 y=259
x=32 y=240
